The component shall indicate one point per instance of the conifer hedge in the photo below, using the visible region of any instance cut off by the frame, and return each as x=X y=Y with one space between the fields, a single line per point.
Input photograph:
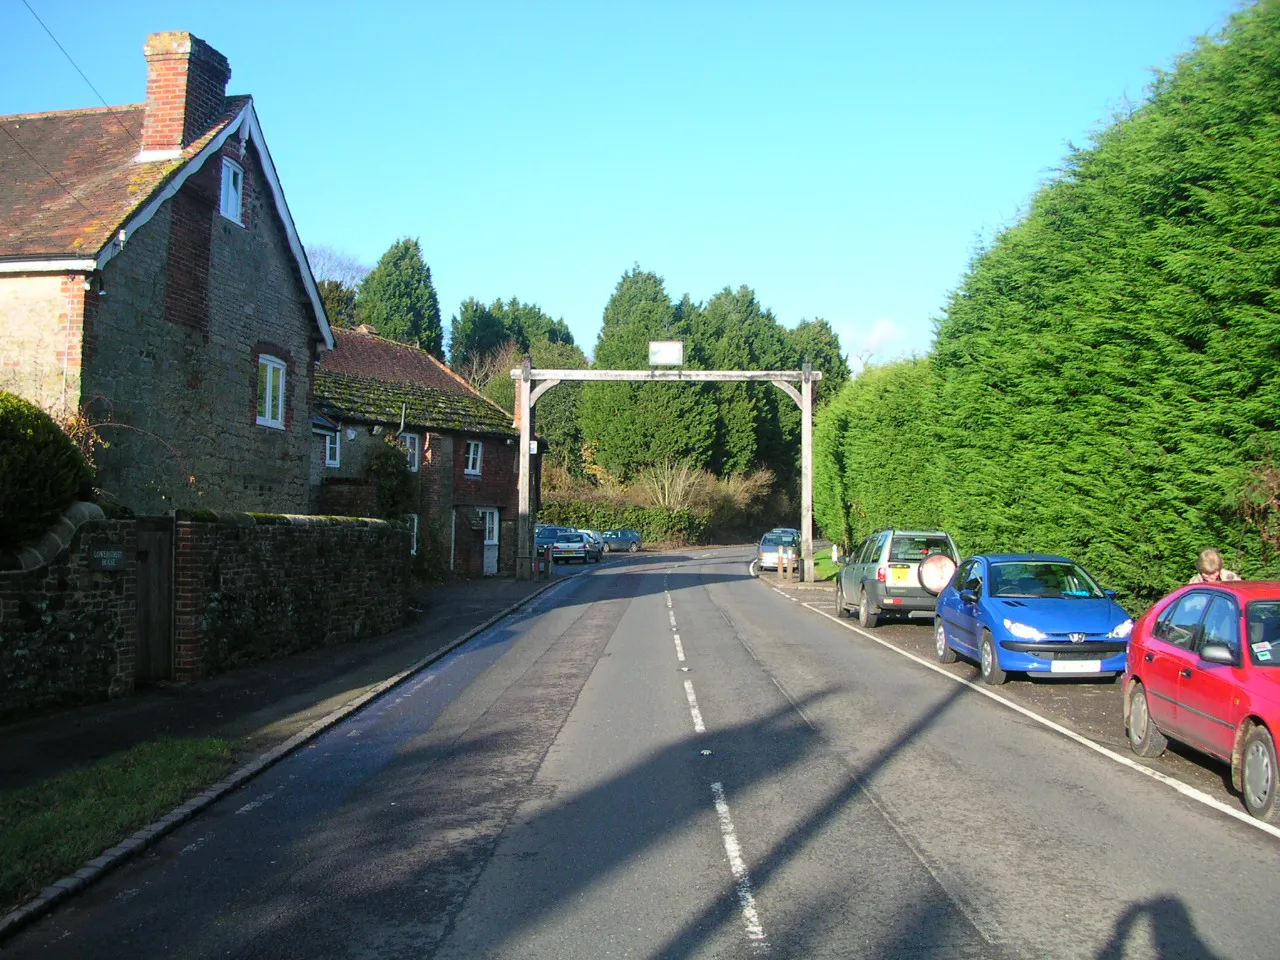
x=1104 y=381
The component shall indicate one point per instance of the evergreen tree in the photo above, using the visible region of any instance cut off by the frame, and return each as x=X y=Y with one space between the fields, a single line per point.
x=816 y=342
x=640 y=424
x=339 y=303
x=474 y=333
x=398 y=299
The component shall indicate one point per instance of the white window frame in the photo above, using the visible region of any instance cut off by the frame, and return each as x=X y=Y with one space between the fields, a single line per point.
x=271 y=374
x=232 y=203
x=413 y=531
x=475 y=458
x=413 y=450
x=333 y=449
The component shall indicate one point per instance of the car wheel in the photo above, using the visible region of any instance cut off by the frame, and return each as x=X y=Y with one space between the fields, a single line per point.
x=868 y=616
x=633 y=548
x=1144 y=738
x=606 y=548
x=941 y=649
x=991 y=671
x=1259 y=776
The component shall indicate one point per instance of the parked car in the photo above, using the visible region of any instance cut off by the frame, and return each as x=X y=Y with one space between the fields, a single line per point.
x=883 y=574
x=1204 y=668
x=575 y=546
x=1034 y=613
x=618 y=540
x=544 y=534
x=767 y=551
x=595 y=538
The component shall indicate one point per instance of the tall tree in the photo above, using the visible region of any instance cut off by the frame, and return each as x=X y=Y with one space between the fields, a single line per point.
x=638 y=425
x=816 y=342
x=474 y=333
x=398 y=298
x=339 y=302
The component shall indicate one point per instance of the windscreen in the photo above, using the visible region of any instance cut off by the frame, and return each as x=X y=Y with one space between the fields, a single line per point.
x=571 y=538
x=1042 y=579
x=915 y=549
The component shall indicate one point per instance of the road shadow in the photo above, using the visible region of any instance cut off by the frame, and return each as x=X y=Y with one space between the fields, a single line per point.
x=1172 y=931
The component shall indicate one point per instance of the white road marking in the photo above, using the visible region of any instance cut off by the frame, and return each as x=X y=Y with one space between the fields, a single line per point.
x=679 y=649
x=742 y=879
x=694 y=712
x=1185 y=789
x=255 y=804
x=672 y=615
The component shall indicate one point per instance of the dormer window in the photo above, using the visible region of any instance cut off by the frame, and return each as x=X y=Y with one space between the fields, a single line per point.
x=232 y=190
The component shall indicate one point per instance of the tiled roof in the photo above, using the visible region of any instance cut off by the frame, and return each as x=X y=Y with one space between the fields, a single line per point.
x=371 y=400
x=68 y=180
x=367 y=355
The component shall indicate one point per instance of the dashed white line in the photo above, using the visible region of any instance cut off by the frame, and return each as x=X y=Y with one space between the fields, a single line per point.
x=694 y=712
x=679 y=648
x=742 y=879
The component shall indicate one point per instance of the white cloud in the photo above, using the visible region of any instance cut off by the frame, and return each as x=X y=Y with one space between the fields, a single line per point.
x=886 y=340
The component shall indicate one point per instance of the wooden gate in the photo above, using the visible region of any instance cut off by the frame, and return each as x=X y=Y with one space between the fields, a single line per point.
x=155 y=599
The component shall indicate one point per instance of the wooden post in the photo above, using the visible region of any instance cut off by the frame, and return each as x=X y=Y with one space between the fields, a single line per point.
x=806 y=470
x=525 y=567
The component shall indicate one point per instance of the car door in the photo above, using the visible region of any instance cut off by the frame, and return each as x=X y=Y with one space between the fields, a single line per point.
x=1207 y=691
x=851 y=572
x=962 y=616
x=1169 y=652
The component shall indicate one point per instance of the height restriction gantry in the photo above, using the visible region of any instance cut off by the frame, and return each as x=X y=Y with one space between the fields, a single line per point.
x=531 y=384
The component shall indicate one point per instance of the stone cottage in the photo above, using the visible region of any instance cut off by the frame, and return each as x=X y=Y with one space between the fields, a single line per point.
x=151 y=279
x=460 y=445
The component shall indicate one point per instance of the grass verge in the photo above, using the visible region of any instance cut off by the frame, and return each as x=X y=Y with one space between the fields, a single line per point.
x=824 y=568
x=51 y=829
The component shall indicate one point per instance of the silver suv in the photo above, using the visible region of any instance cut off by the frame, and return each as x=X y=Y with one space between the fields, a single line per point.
x=882 y=575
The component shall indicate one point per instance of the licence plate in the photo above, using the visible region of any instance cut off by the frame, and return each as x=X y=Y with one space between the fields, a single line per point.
x=1075 y=666
x=900 y=576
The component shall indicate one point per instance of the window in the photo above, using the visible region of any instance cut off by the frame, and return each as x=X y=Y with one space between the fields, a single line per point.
x=232 y=190
x=413 y=534
x=1221 y=625
x=490 y=527
x=475 y=450
x=333 y=450
x=270 y=392
x=1180 y=624
x=411 y=444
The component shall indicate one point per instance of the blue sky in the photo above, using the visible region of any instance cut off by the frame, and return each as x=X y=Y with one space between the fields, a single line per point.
x=842 y=159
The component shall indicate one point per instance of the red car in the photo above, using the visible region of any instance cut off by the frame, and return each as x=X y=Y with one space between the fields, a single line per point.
x=1204 y=668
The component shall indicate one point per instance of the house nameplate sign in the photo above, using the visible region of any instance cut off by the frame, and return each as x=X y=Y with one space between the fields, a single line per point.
x=105 y=556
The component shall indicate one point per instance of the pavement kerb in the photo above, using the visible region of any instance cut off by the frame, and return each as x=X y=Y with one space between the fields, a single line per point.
x=145 y=837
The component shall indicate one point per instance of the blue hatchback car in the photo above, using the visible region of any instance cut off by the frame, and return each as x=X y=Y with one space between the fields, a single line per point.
x=1033 y=613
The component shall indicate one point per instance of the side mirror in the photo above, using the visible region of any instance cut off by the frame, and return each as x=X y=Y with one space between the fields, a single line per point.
x=969 y=596
x=1110 y=594
x=1218 y=653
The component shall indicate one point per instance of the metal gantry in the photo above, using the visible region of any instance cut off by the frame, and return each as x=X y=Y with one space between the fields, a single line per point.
x=531 y=384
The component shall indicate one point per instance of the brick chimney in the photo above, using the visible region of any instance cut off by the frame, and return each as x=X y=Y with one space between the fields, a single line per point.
x=186 y=92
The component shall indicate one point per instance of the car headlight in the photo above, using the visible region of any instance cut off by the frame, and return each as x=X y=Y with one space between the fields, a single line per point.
x=1121 y=630
x=1024 y=631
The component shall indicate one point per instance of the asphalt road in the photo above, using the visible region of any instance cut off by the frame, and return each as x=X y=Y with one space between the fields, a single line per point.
x=667 y=759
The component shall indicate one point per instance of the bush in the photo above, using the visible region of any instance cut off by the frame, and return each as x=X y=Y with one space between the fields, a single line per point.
x=389 y=468
x=41 y=471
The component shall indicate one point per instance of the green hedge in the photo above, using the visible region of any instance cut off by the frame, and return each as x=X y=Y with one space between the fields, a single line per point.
x=41 y=471
x=654 y=524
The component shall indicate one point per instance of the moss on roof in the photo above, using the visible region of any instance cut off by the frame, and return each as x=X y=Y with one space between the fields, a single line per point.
x=375 y=401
